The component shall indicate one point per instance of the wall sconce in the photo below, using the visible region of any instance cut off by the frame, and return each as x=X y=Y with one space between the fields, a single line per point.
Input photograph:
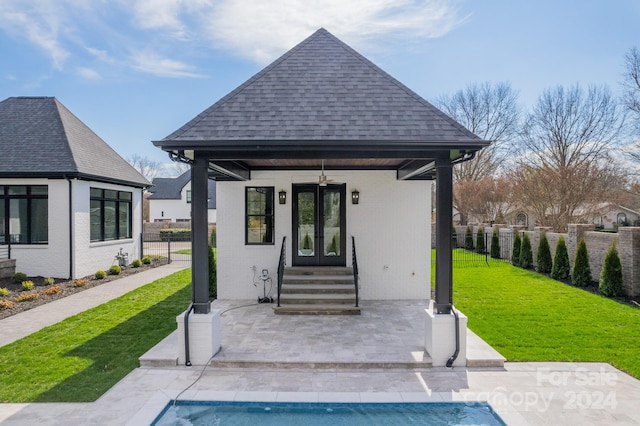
x=282 y=196
x=355 y=197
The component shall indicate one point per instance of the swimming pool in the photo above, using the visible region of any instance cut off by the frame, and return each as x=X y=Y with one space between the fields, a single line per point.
x=270 y=413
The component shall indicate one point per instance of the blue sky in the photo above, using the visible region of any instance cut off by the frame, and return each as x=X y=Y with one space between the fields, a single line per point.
x=136 y=70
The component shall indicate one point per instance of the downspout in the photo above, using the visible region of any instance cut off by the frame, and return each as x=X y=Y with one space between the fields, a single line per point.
x=187 y=358
x=451 y=360
x=70 y=227
x=141 y=239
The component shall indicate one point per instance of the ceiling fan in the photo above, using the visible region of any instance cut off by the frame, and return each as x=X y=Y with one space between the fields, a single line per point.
x=322 y=179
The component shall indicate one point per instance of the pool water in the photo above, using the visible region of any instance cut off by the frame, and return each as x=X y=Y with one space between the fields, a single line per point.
x=196 y=413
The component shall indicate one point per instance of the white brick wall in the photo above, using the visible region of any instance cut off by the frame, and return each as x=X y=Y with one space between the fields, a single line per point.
x=391 y=226
x=52 y=259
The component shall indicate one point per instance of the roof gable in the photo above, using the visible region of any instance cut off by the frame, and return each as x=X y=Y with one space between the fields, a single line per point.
x=40 y=137
x=322 y=90
x=171 y=188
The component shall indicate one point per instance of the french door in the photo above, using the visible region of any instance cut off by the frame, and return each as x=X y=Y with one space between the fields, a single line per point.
x=319 y=237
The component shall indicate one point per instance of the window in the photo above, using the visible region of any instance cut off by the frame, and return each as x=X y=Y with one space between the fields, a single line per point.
x=188 y=196
x=24 y=214
x=259 y=215
x=110 y=213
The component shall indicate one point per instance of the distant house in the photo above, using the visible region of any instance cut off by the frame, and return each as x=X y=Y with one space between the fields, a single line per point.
x=68 y=202
x=170 y=199
x=609 y=216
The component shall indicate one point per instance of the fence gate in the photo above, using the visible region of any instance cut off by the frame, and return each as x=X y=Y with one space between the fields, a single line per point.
x=169 y=247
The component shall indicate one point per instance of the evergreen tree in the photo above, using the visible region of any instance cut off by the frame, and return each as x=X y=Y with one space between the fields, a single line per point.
x=213 y=274
x=581 y=274
x=480 y=244
x=515 y=253
x=611 y=277
x=495 y=244
x=526 y=253
x=561 y=268
x=543 y=257
x=468 y=239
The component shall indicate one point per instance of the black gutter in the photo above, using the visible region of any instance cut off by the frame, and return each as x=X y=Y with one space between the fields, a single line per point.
x=451 y=360
x=70 y=181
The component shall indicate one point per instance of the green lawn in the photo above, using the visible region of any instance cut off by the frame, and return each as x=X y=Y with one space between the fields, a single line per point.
x=80 y=358
x=529 y=317
x=185 y=251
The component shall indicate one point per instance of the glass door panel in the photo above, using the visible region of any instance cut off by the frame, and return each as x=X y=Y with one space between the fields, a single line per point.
x=331 y=221
x=306 y=204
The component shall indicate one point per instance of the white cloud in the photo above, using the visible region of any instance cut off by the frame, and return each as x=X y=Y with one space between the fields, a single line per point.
x=88 y=73
x=170 y=31
x=261 y=30
x=151 y=63
x=39 y=24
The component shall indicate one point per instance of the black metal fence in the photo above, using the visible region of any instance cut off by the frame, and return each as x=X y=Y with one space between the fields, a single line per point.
x=169 y=247
x=478 y=250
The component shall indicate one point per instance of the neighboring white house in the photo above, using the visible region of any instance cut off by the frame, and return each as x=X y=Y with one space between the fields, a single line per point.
x=170 y=199
x=611 y=216
x=68 y=202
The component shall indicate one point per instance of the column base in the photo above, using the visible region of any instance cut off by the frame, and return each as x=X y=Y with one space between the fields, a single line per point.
x=440 y=337
x=204 y=337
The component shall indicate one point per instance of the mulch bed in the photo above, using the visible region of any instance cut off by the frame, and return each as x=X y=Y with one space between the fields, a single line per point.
x=68 y=287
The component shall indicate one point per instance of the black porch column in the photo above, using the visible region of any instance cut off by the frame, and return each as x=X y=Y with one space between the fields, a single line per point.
x=199 y=236
x=444 y=222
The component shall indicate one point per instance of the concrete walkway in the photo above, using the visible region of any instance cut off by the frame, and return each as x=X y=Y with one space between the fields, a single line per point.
x=21 y=325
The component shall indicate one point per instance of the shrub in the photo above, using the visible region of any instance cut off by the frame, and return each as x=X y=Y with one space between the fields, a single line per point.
x=544 y=263
x=526 y=253
x=213 y=238
x=146 y=260
x=4 y=292
x=25 y=297
x=100 y=275
x=54 y=289
x=480 y=244
x=19 y=277
x=495 y=244
x=213 y=274
x=136 y=263
x=611 y=276
x=468 y=239
x=48 y=281
x=175 y=234
x=115 y=270
x=561 y=268
x=27 y=285
x=581 y=275
x=80 y=282
x=6 y=304
x=515 y=253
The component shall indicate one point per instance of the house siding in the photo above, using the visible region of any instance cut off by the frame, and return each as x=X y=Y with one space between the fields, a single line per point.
x=174 y=209
x=391 y=226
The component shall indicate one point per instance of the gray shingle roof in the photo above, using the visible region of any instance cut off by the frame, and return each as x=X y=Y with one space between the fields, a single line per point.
x=321 y=90
x=40 y=137
x=170 y=188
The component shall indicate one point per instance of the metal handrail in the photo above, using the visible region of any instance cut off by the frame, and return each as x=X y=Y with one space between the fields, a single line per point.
x=354 y=259
x=281 y=264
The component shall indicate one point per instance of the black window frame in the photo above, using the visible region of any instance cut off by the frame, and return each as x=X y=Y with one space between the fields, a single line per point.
x=29 y=196
x=188 y=196
x=121 y=198
x=268 y=215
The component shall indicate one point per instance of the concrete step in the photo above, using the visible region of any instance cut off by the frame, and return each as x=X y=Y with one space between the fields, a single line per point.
x=317 y=279
x=318 y=270
x=308 y=299
x=307 y=309
x=317 y=289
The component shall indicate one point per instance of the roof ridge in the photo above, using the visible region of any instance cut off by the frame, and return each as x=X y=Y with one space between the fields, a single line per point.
x=67 y=145
x=257 y=76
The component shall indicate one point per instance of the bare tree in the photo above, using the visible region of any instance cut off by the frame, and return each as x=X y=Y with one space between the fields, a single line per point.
x=491 y=112
x=564 y=163
x=486 y=199
x=631 y=86
x=146 y=167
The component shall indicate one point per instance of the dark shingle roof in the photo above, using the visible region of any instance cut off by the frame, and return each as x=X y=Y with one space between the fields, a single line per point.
x=321 y=90
x=170 y=188
x=39 y=137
